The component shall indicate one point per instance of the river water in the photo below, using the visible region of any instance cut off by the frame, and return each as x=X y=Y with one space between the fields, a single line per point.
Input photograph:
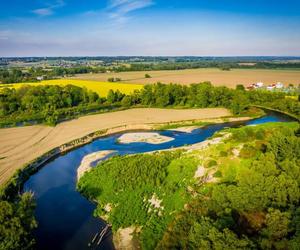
x=65 y=218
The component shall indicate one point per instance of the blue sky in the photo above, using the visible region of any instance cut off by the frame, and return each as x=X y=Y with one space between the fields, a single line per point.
x=149 y=27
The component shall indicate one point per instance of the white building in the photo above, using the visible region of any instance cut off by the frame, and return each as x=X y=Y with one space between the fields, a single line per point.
x=279 y=85
x=259 y=84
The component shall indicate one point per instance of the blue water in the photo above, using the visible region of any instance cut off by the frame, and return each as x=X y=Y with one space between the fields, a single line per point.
x=65 y=218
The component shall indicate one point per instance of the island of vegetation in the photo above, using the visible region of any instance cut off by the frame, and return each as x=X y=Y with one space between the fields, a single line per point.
x=240 y=193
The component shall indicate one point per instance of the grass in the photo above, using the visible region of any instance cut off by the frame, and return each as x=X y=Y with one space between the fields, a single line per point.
x=183 y=124
x=101 y=88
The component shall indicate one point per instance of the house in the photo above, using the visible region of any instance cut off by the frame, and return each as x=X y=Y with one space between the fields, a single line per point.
x=271 y=87
x=40 y=78
x=279 y=85
x=259 y=84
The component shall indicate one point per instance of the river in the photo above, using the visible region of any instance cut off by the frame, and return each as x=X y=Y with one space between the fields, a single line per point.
x=65 y=218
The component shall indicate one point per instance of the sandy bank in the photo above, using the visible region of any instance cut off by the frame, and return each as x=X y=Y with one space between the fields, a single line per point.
x=147 y=137
x=87 y=160
x=124 y=240
x=21 y=145
x=188 y=129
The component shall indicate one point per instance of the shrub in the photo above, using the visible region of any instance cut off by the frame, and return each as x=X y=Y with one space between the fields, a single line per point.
x=211 y=164
x=248 y=151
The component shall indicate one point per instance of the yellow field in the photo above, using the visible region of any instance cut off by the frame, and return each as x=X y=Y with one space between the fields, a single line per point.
x=101 y=88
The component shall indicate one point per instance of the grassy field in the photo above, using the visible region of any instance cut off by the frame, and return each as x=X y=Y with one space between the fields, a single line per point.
x=100 y=87
x=216 y=76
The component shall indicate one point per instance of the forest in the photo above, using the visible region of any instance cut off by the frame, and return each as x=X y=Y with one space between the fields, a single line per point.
x=17 y=223
x=51 y=104
x=246 y=200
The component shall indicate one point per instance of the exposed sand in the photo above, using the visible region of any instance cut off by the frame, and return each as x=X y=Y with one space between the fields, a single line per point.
x=123 y=239
x=87 y=160
x=200 y=172
x=21 y=145
x=148 y=137
x=216 y=76
x=188 y=129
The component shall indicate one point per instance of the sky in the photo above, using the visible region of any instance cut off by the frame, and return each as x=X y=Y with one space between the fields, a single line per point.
x=149 y=28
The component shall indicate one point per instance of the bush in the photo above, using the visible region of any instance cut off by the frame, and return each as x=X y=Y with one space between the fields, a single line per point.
x=223 y=154
x=211 y=164
x=217 y=174
x=248 y=151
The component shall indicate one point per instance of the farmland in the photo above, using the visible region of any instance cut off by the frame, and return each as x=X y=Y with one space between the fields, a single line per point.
x=216 y=76
x=21 y=145
x=100 y=87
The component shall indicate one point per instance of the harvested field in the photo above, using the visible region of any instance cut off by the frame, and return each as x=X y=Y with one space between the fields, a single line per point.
x=216 y=76
x=21 y=145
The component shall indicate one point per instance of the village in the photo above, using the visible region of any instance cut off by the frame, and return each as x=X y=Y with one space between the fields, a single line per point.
x=279 y=86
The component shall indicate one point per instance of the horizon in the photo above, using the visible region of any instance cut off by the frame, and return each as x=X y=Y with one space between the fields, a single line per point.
x=154 y=56
x=111 y=28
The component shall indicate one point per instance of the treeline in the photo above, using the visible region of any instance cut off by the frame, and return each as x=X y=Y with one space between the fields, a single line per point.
x=52 y=103
x=205 y=64
x=35 y=74
x=17 y=223
x=46 y=102
x=257 y=208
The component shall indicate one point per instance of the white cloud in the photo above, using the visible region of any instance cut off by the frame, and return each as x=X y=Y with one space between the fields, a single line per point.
x=43 y=12
x=119 y=9
x=49 y=10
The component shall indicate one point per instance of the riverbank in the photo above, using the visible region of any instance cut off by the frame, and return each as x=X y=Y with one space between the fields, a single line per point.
x=87 y=161
x=23 y=145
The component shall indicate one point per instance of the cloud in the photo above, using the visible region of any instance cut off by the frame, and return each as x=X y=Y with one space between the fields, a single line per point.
x=49 y=10
x=119 y=9
x=43 y=12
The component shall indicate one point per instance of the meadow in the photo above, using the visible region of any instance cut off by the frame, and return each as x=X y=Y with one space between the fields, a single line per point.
x=101 y=87
x=216 y=76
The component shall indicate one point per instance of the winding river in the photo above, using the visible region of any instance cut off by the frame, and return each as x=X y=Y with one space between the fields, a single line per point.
x=65 y=218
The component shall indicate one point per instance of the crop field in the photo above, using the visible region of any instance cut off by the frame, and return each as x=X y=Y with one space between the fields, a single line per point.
x=101 y=88
x=216 y=76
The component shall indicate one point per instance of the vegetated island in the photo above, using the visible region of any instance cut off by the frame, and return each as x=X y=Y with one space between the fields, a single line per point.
x=240 y=192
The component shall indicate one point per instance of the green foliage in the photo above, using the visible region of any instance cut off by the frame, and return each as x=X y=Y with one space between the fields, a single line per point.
x=240 y=87
x=16 y=223
x=114 y=79
x=129 y=182
x=257 y=209
x=45 y=103
x=34 y=101
x=32 y=74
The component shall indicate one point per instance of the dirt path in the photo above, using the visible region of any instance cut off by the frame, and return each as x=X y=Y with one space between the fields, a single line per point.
x=21 y=145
